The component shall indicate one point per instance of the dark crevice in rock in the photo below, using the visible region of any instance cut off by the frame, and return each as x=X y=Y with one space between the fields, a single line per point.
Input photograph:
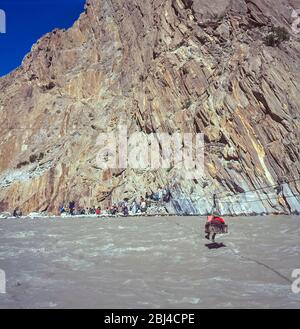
x=261 y=98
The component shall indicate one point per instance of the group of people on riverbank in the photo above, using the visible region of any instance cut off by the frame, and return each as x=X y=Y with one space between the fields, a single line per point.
x=139 y=205
x=214 y=225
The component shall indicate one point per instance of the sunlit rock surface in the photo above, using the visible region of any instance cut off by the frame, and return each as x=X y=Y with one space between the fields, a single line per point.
x=156 y=66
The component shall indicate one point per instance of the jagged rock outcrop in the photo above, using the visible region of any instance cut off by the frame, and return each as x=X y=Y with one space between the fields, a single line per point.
x=157 y=66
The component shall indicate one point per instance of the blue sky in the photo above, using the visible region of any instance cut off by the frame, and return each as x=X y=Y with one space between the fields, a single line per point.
x=27 y=21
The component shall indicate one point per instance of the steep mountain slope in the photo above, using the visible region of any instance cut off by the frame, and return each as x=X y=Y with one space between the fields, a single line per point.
x=157 y=66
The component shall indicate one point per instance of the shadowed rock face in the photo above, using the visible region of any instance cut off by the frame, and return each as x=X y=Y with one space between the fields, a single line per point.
x=157 y=66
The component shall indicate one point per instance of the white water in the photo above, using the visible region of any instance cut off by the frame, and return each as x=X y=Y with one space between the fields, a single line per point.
x=148 y=262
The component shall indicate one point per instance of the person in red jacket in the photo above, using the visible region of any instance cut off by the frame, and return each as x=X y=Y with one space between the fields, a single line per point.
x=214 y=225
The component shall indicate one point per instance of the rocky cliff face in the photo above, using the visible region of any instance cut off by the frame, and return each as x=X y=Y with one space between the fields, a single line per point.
x=157 y=66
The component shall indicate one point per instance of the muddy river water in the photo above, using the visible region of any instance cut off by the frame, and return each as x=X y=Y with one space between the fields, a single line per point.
x=152 y=262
